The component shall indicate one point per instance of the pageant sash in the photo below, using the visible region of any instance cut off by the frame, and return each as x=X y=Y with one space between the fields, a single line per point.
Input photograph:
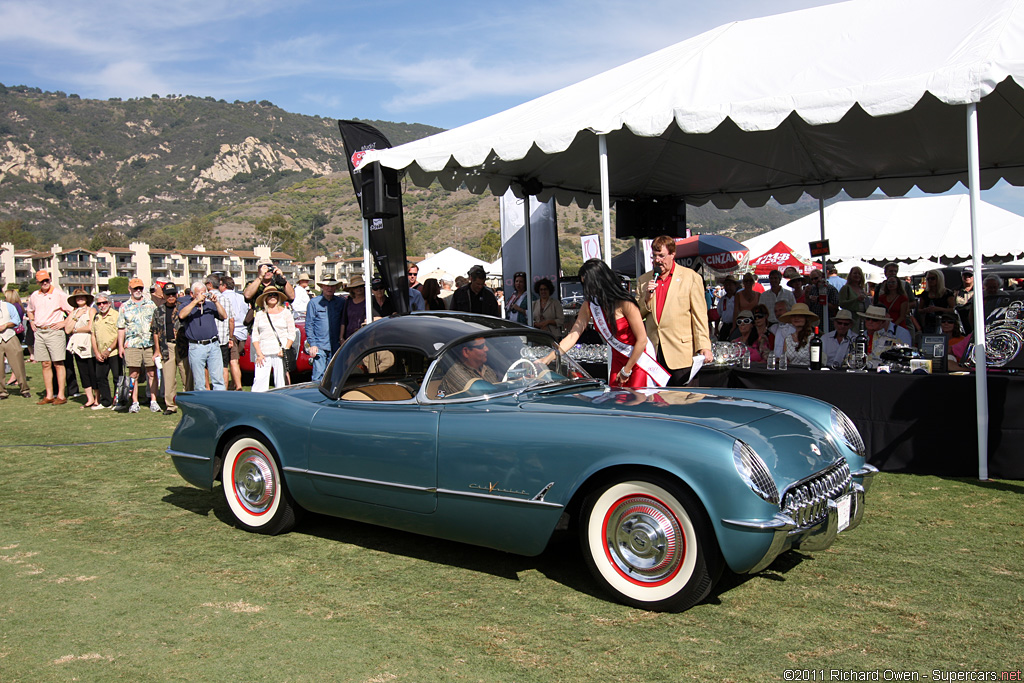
x=658 y=375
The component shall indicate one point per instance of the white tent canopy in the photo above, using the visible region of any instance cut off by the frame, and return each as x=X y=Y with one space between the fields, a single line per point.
x=765 y=108
x=871 y=273
x=450 y=260
x=919 y=267
x=903 y=229
x=855 y=96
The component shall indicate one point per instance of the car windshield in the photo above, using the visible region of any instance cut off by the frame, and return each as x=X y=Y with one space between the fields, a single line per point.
x=494 y=364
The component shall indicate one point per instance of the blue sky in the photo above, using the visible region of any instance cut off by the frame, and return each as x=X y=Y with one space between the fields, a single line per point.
x=441 y=63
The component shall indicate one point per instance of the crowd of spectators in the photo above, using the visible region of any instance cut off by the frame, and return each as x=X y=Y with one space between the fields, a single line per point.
x=888 y=313
x=194 y=339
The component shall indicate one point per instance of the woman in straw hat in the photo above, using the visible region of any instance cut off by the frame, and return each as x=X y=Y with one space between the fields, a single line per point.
x=78 y=327
x=796 y=345
x=273 y=331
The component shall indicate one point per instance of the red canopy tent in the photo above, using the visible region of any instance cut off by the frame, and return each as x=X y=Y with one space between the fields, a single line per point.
x=780 y=257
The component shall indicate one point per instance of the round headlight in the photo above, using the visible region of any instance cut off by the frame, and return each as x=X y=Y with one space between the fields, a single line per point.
x=843 y=427
x=755 y=473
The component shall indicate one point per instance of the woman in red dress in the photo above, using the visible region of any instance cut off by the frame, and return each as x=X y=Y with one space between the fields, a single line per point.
x=616 y=315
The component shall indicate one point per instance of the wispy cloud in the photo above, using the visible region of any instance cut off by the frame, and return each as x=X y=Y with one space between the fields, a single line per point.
x=395 y=56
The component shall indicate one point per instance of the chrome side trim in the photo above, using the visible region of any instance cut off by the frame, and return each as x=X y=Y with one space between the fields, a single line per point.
x=423 y=489
x=187 y=456
x=503 y=499
x=360 y=480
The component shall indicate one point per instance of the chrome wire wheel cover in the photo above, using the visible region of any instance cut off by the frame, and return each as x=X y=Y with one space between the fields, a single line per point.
x=254 y=482
x=644 y=540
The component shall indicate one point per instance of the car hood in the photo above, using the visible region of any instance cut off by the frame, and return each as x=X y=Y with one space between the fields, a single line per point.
x=791 y=445
x=719 y=412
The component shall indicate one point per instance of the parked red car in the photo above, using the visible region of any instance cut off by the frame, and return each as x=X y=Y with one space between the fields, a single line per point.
x=303 y=363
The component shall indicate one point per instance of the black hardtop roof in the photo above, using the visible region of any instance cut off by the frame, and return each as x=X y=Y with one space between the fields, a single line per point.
x=427 y=332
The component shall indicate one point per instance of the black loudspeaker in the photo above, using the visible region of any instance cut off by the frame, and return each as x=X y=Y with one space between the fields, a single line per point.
x=647 y=218
x=382 y=193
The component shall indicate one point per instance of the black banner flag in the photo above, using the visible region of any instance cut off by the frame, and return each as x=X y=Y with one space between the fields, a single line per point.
x=387 y=235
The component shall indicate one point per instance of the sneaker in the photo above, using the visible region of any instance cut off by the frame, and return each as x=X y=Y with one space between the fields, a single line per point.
x=98 y=407
x=134 y=408
x=154 y=407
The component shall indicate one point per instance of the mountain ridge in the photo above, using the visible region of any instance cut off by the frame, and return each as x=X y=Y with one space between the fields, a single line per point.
x=179 y=169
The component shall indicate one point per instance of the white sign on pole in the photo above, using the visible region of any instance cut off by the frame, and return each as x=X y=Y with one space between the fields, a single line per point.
x=591 y=247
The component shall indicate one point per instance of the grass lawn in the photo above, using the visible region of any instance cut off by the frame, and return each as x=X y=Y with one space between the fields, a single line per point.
x=113 y=568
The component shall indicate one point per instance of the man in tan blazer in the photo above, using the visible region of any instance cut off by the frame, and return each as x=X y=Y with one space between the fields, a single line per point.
x=675 y=311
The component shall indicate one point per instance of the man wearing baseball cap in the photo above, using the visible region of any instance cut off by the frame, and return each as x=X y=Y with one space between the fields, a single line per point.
x=47 y=308
x=136 y=341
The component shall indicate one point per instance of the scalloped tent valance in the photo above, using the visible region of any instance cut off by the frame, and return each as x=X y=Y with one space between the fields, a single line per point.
x=856 y=96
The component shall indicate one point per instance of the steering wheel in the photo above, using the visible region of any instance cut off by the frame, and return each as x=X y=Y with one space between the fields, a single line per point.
x=531 y=373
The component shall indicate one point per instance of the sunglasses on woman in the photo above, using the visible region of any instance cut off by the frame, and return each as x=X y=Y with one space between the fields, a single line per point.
x=745 y=320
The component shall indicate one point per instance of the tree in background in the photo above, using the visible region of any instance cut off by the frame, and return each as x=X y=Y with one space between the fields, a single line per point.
x=13 y=231
x=275 y=231
x=107 y=235
x=118 y=285
x=490 y=245
x=198 y=230
x=316 y=232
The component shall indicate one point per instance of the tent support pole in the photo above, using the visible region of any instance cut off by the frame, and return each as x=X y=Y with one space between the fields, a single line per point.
x=367 y=271
x=824 y=262
x=980 y=361
x=606 y=204
x=529 y=260
x=638 y=253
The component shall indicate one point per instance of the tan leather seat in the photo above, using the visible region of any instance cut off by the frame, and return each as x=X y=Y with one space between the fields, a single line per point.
x=378 y=392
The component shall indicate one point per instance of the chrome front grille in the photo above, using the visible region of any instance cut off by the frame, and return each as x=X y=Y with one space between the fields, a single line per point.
x=807 y=501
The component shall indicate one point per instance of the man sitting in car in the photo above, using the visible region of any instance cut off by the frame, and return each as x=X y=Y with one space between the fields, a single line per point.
x=470 y=367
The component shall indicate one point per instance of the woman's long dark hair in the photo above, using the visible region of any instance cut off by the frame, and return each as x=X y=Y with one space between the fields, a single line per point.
x=603 y=287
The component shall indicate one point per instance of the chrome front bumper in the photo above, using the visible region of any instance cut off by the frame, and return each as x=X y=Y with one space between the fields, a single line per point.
x=787 y=534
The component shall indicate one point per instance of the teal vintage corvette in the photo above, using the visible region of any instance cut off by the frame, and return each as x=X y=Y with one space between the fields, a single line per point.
x=478 y=430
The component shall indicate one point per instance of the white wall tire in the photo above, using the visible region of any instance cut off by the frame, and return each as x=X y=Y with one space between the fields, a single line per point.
x=649 y=544
x=254 y=489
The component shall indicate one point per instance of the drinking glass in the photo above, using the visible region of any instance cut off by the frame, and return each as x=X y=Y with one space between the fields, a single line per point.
x=783 y=362
x=858 y=361
x=745 y=359
x=773 y=361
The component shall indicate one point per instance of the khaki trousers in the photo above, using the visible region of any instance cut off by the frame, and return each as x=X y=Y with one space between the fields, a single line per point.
x=172 y=367
x=12 y=350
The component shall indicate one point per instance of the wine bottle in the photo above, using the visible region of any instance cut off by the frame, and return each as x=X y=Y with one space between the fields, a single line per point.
x=816 y=351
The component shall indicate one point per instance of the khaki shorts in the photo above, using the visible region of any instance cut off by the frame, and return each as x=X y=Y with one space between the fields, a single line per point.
x=50 y=345
x=137 y=358
x=236 y=350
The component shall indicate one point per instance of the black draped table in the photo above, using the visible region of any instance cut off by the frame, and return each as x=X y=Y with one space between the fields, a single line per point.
x=922 y=424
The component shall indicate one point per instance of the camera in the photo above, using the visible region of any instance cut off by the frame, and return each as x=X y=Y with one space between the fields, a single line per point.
x=279 y=280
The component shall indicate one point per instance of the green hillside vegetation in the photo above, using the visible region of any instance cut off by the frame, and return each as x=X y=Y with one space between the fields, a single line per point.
x=177 y=170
